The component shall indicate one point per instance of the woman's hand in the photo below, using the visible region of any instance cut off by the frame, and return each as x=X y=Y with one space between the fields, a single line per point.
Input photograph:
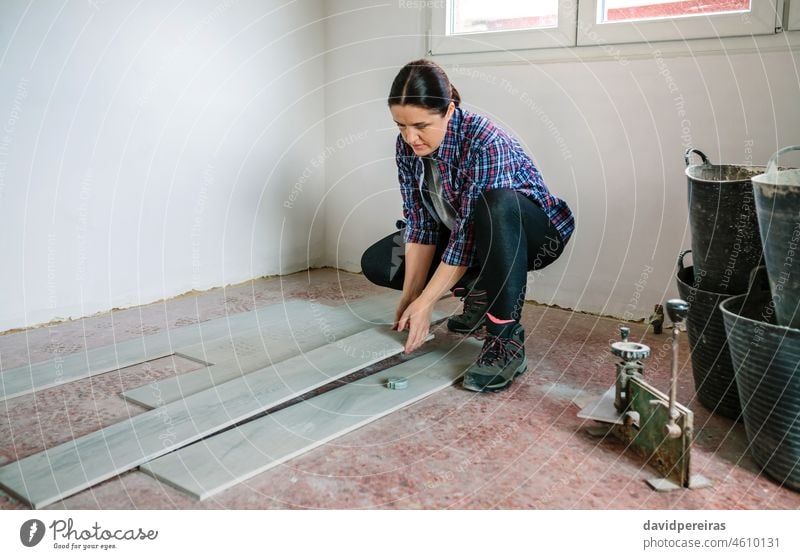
x=405 y=300
x=417 y=318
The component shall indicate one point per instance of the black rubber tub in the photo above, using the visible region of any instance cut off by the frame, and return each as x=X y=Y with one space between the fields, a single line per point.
x=777 y=197
x=726 y=243
x=766 y=360
x=711 y=361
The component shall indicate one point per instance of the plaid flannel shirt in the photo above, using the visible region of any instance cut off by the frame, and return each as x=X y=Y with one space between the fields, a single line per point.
x=475 y=156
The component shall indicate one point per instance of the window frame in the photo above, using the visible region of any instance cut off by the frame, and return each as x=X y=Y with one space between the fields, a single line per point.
x=440 y=42
x=763 y=19
x=793 y=15
x=577 y=29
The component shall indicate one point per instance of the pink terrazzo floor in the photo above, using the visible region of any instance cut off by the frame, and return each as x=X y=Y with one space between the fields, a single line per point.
x=524 y=448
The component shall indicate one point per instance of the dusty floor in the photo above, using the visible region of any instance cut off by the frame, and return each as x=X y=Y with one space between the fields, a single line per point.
x=523 y=448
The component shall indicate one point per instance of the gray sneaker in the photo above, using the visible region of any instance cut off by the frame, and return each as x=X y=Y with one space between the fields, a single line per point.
x=476 y=303
x=501 y=360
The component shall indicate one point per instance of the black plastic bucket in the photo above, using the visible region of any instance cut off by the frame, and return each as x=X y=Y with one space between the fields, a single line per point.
x=725 y=238
x=711 y=361
x=766 y=359
x=777 y=195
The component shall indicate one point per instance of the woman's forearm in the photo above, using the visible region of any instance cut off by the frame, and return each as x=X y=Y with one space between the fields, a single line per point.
x=418 y=259
x=443 y=280
x=415 y=311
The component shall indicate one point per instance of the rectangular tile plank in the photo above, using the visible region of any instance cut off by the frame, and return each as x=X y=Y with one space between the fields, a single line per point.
x=321 y=322
x=61 y=471
x=254 y=349
x=75 y=366
x=224 y=460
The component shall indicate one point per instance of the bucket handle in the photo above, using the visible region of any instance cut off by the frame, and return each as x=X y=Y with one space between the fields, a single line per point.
x=696 y=151
x=758 y=275
x=682 y=254
x=772 y=166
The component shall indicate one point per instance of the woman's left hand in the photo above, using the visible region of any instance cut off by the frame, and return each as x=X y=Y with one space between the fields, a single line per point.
x=417 y=317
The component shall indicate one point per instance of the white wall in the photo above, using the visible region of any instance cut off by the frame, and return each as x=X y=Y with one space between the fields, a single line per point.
x=608 y=137
x=147 y=149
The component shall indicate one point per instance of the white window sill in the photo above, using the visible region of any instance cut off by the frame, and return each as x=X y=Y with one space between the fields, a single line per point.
x=785 y=41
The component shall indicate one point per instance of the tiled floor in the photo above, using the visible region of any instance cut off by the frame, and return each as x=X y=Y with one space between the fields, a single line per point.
x=524 y=448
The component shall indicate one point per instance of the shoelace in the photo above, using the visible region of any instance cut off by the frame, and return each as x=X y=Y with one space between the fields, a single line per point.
x=495 y=347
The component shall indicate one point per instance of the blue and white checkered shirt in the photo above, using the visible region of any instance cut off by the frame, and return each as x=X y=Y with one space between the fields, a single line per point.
x=475 y=156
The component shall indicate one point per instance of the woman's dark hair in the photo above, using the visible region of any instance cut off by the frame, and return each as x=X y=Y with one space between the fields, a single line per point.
x=423 y=83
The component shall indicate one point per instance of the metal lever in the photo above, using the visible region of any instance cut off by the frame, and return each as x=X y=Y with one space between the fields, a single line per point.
x=677 y=310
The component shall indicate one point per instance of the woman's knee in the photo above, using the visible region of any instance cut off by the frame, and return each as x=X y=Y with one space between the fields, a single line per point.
x=497 y=206
x=370 y=264
x=546 y=250
x=366 y=265
x=381 y=261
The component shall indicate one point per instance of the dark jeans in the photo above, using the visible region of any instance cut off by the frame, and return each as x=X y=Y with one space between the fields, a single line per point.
x=512 y=236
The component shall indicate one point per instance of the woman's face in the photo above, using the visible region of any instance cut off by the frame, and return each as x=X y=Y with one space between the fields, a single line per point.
x=422 y=129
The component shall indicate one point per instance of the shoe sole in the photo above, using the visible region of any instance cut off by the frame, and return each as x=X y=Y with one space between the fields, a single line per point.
x=499 y=386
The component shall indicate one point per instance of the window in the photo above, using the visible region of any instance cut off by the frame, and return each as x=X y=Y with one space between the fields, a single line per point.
x=638 y=21
x=480 y=25
x=639 y=10
x=461 y=26
x=476 y=16
x=793 y=22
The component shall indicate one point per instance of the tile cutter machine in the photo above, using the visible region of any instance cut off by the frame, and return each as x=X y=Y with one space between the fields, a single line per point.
x=650 y=422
